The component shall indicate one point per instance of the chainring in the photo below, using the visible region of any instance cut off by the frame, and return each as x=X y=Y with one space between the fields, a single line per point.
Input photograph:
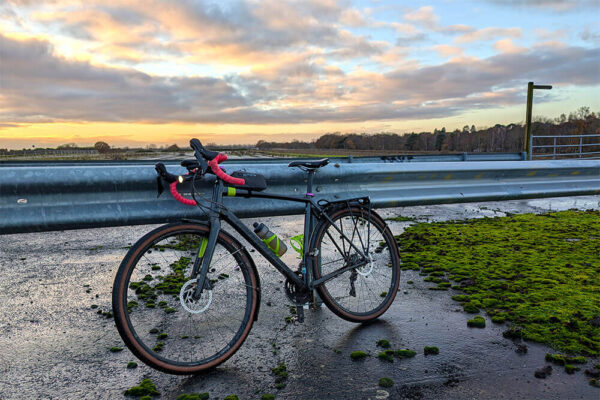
x=297 y=295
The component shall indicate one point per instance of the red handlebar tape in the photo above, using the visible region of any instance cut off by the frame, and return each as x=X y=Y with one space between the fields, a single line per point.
x=179 y=197
x=214 y=165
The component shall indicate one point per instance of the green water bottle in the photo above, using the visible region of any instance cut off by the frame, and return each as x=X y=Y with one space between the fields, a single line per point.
x=270 y=239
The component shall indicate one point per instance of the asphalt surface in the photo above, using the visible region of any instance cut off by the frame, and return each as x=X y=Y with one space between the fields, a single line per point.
x=55 y=346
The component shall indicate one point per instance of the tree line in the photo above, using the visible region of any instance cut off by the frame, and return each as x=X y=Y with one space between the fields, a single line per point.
x=499 y=138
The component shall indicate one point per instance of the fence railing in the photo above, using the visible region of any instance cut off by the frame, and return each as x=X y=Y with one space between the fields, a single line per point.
x=558 y=148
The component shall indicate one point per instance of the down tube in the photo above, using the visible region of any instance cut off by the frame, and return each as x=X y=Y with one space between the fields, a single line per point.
x=247 y=234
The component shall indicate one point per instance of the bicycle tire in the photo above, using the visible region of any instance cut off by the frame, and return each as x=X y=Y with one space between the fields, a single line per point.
x=151 y=292
x=360 y=294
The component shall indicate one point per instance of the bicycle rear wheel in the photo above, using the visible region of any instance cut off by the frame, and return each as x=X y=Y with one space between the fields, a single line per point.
x=155 y=314
x=364 y=293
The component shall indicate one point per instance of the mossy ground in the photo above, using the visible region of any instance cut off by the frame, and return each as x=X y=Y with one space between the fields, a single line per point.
x=145 y=388
x=539 y=272
x=386 y=382
x=193 y=396
x=358 y=355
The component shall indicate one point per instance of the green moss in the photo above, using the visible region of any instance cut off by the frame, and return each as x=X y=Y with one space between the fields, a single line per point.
x=162 y=336
x=386 y=382
x=570 y=368
x=477 y=322
x=159 y=347
x=115 y=349
x=193 y=396
x=431 y=350
x=384 y=343
x=131 y=365
x=404 y=353
x=409 y=282
x=387 y=355
x=525 y=269
x=147 y=397
x=401 y=218
x=358 y=355
x=145 y=388
x=594 y=382
x=461 y=297
x=383 y=294
x=498 y=319
x=169 y=310
x=153 y=330
x=267 y=396
x=280 y=385
x=337 y=351
x=562 y=359
x=280 y=371
x=231 y=397
x=470 y=308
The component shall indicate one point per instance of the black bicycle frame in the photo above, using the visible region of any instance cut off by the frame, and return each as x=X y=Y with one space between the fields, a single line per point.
x=312 y=210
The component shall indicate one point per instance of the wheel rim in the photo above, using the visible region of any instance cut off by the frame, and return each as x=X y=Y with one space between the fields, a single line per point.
x=366 y=290
x=157 y=319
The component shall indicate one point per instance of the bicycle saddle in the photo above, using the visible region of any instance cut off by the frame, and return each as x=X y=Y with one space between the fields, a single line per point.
x=310 y=164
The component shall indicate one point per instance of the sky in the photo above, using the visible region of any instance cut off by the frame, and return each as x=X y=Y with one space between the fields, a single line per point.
x=134 y=73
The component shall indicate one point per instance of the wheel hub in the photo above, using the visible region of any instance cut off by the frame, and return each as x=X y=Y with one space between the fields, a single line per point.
x=186 y=298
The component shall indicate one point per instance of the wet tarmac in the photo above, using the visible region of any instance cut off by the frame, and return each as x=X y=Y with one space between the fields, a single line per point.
x=54 y=345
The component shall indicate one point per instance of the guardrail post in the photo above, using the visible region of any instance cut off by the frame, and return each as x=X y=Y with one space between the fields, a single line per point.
x=580 y=147
x=554 y=150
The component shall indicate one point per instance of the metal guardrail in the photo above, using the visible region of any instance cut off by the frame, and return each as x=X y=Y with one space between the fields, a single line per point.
x=42 y=198
x=575 y=150
x=282 y=160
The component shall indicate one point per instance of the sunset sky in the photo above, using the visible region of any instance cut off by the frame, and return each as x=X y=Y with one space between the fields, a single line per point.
x=234 y=72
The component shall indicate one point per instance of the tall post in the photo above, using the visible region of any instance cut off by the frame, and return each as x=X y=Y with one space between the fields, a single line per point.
x=528 y=143
x=528 y=140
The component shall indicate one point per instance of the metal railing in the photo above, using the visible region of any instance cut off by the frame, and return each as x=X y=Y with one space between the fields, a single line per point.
x=575 y=150
x=44 y=198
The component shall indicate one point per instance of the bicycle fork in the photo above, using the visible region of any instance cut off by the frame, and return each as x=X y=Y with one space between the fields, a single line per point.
x=207 y=249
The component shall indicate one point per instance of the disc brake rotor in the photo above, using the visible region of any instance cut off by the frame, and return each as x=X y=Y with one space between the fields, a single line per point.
x=186 y=298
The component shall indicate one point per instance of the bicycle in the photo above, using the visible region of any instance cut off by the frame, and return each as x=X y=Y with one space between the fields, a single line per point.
x=187 y=293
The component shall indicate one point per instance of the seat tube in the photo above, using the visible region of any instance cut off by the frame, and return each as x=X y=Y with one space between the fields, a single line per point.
x=309 y=225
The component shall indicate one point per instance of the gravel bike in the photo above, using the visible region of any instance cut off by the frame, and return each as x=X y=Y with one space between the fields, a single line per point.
x=187 y=293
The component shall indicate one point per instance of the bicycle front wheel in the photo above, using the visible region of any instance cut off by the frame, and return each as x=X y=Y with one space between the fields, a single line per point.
x=156 y=315
x=365 y=292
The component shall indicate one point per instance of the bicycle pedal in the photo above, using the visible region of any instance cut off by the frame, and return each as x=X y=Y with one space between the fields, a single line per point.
x=300 y=313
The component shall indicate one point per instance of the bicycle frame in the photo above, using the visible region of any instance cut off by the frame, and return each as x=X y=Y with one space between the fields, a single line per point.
x=312 y=210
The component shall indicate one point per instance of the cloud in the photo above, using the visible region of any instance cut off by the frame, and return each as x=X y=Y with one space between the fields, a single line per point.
x=445 y=50
x=552 y=5
x=590 y=36
x=426 y=17
x=423 y=15
x=507 y=46
x=38 y=85
x=488 y=34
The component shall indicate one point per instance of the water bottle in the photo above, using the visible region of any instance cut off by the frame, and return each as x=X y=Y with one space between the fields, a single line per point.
x=270 y=239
